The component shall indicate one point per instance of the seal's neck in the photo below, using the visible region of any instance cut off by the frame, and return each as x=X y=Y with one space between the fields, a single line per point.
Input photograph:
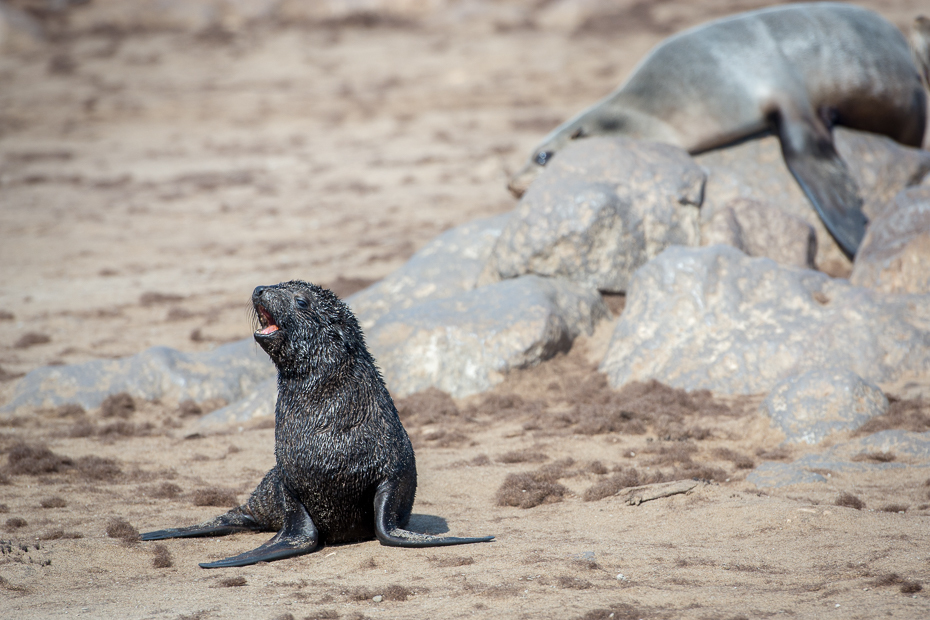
x=328 y=398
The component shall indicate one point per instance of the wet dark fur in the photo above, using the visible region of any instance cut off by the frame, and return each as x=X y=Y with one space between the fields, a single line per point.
x=345 y=469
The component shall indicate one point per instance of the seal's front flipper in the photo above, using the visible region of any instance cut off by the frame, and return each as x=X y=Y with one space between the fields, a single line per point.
x=811 y=157
x=391 y=535
x=298 y=537
x=233 y=521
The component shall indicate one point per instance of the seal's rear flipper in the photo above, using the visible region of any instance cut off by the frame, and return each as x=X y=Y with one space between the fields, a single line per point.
x=192 y=532
x=809 y=153
x=233 y=521
x=397 y=537
x=386 y=518
x=298 y=537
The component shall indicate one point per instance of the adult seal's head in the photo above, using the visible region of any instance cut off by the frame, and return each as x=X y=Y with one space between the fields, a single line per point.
x=344 y=467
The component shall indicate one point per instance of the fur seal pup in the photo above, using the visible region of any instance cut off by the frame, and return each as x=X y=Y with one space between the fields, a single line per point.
x=345 y=468
x=794 y=70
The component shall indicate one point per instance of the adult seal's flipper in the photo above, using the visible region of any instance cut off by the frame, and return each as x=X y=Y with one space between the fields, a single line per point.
x=298 y=537
x=813 y=161
x=233 y=521
x=389 y=534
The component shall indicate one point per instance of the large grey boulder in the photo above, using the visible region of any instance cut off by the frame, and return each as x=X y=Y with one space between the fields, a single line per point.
x=714 y=318
x=762 y=229
x=228 y=372
x=446 y=266
x=601 y=209
x=820 y=401
x=756 y=170
x=895 y=253
x=464 y=344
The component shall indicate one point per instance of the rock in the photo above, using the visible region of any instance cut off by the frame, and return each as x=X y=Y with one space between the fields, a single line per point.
x=810 y=406
x=761 y=229
x=881 y=167
x=446 y=266
x=846 y=458
x=228 y=372
x=601 y=209
x=830 y=462
x=755 y=169
x=19 y=31
x=810 y=468
x=714 y=318
x=773 y=474
x=895 y=254
x=172 y=15
x=259 y=403
x=464 y=344
x=901 y=443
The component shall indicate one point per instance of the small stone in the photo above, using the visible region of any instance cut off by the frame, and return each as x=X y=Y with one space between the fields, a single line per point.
x=771 y=474
x=377 y=598
x=810 y=406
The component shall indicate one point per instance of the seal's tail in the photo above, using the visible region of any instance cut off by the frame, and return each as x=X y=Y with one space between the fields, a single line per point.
x=920 y=46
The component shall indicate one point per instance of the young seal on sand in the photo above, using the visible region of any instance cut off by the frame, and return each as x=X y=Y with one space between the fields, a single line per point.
x=345 y=468
x=794 y=70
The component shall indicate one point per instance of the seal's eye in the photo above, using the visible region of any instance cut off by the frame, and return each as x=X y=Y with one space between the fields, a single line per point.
x=543 y=157
x=302 y=303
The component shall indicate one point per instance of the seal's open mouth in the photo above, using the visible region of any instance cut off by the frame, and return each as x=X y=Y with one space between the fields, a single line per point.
x=266 y=321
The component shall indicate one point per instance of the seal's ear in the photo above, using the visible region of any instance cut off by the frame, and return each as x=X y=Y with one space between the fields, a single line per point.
x=578 y=133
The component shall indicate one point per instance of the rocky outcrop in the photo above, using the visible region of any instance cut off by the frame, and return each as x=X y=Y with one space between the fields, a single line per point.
x=714 y=318
x=464 y=344
x=756 y=170
x=600 y=210
x=446 y=266
x=229 y=372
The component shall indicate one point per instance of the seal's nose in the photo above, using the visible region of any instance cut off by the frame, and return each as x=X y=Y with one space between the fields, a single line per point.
x=257 y=293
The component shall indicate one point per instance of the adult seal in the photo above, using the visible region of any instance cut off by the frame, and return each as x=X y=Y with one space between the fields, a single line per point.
x=793 y=70
x=345 y=469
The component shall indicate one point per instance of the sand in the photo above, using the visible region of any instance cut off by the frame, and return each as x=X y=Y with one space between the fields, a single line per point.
x=150 y=179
